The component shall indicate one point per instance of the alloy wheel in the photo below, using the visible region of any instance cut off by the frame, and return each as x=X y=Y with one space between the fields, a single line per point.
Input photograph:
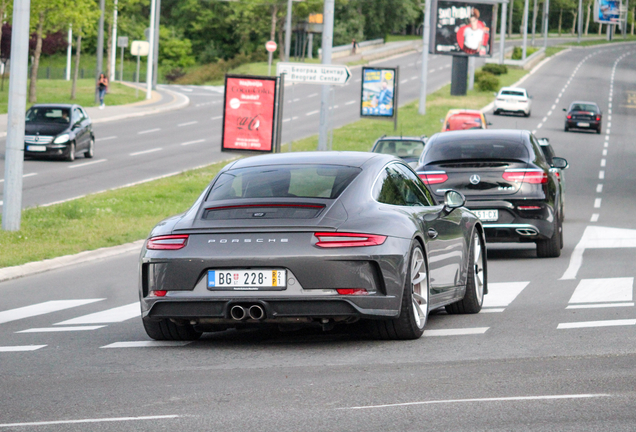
x=478 y=268
x=419 y=285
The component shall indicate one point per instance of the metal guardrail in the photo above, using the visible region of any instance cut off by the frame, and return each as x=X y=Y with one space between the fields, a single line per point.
x=344 y=50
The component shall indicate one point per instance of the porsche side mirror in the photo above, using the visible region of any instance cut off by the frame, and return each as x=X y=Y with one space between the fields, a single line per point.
x=559 y=162
x=454 y=199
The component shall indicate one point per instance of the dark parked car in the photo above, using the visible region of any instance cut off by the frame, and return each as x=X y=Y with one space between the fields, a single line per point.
x=58 y=130
x=312 y=238
x=584 y=115
x=408 y=149
x=506 y=180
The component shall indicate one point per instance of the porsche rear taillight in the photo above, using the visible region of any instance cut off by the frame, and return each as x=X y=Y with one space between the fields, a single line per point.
x=433 y=177
x=338 y=240
x=526 y=176
x=168 y=242
x=598 y=118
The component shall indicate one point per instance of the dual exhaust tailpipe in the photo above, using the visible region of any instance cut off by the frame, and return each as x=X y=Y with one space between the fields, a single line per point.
x=527 y=231
x=240 y=313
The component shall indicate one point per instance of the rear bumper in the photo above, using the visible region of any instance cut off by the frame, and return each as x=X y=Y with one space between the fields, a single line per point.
x=511 y=107
x=574 y=124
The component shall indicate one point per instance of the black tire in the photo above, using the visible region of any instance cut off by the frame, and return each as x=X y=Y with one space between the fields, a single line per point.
x=528 y=115
x=551 y=248
x=566 y=128
x=70 y=157
x=496 y=112
x=88 y=154
x=406 y=326
x=476 y=282
x=166 y=330
x=598 y=131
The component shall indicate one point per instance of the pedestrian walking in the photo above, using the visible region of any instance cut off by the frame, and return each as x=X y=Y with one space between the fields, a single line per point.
x=354 y=47
x=102 y=86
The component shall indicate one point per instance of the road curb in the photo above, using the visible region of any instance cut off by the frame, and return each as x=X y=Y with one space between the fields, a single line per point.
x=9 y=273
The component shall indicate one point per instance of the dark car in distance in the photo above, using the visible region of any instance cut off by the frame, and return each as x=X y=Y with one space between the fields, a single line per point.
x=583 y=115
x=58 y=131
x=320 y=238
x=506 y=180
x=406 y=148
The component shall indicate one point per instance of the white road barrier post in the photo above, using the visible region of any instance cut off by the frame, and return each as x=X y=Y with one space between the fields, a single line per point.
x=327 y=44
x=14 y=154
x=525 y=30
x=502 y=36
x=424 y=71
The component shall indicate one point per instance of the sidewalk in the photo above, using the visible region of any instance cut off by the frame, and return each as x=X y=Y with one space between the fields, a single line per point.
x=162 y=100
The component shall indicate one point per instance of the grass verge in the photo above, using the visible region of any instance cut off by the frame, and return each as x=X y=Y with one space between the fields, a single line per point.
x=617 y=39
x=119 y=216
x=59 y=91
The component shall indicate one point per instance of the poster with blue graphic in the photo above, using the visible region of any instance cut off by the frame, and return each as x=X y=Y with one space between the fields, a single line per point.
x=379 y=87
x=607 y=11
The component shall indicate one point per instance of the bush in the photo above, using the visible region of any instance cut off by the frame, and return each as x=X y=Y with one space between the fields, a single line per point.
x=216 y=71
x=517 y=52
x=495 y=69
x=174 y=74
x=486 y=81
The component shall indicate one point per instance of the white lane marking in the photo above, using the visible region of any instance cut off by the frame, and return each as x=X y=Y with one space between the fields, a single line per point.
x=608 y=131
x=534 y=131
x=557 y=101
x=193 y=142
x=312 y=112
x=590 y=324
x=105 y=139
x=350 y=102
x=502 y=294
x=604 y=152
x=186 y=89
x=492 y=310
x=98 y=420
x=87 y=163
x=187 y=124
x=597 y=203
x=404 y=81
x=499 y=399
x=42 y=308
x=114 y=315
x=216 y=118
x=456 y=332
x=544 y=119
x=24 y=176
x=147 y=344
x=595 y=237
x=609 y=125
x=316 y=94
x=601 y=174
x=20 y=348
x=149 y=131
x=431 y=71
x=549 y=113
x=599 y=188
x=539 y=125
x=603 y=162
x=146 y=151
x=286 y=120
x=594 y=217
x=609 y=118
x=60 y=329
x=414 y=77
x=603 y=290
x=447 y=66
x=599 y=305
x=553 y=106
x=294 y=117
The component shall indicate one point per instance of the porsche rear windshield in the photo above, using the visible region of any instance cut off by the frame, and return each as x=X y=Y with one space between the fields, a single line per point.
x=48 y=115
x=476 y=149
x=303 y=181
x=584 y=107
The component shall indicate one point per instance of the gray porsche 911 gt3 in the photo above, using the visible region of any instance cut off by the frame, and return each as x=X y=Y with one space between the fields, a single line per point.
x=312 y=238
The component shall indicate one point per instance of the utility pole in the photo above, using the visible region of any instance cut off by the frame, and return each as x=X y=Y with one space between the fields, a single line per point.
x=502 y=36
x=546 y=18
x=156 y=47
x=327 y=43
x=580 y=22
x=100 y=49
x=525 y=30
x=69 y=52
x=289 y=29
x=151 y=40
x=14 y=149
x=424 y=71
x=534 y=21
x=113 y=51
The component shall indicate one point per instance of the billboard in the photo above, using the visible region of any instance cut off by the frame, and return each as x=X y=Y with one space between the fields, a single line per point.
x=462 y=28
x=607 y=11
x=379 y=92
x=249 y=113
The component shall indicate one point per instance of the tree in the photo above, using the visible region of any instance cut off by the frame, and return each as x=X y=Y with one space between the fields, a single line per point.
x=83 y=17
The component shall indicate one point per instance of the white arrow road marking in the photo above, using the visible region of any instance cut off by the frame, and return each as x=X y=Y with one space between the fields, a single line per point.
x=114 y=315
x=596 y=237
x=501 y=295
x=41 y=309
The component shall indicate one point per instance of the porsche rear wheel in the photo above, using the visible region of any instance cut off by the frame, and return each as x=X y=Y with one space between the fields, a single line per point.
x=415 y=303
x=476 y=281
x=166 y=330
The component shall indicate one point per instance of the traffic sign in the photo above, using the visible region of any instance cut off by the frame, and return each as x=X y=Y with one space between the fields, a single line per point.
x=140 y=48
x=122 y=41
x=271 y=46
x=314 y=73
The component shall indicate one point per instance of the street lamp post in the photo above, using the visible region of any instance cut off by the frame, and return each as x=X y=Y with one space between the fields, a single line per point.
x=289 y=29
x=100 y=49
x=424 y=71
x=525 y=30
x=327 y=43
x=151 y=40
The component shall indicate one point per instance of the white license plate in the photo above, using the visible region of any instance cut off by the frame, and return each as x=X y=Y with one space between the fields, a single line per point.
x=487 y=215
x=247 y=280
x=512 y=100
x=583 y=124
x=36 y=148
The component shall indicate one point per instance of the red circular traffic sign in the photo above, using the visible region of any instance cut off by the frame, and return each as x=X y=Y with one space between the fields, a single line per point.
x=271 y=46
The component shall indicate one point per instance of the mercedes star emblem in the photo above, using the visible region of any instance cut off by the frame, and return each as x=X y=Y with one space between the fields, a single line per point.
x=474 y=179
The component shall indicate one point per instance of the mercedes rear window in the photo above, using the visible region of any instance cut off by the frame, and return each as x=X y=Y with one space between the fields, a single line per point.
x=459 y=150
x=399 y=148
x=303 y=181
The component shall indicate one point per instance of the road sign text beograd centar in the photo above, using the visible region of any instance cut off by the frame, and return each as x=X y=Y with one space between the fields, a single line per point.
x=318 y=74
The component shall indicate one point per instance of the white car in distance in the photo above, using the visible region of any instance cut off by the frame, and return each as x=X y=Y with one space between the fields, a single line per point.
x=513 y=100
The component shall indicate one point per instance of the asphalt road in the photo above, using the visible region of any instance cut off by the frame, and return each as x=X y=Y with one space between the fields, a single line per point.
x=554 y=348
x=142 y=148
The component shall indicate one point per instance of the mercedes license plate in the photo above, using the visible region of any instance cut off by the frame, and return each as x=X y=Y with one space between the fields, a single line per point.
x=487 y=215
x=583 y=124
x=247 y=280
x=36 y=148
